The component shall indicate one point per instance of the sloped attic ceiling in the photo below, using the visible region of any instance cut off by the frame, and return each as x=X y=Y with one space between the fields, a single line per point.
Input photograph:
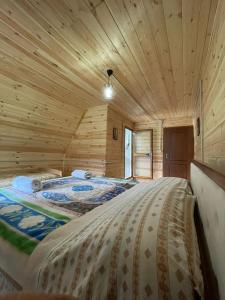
x=58 y=52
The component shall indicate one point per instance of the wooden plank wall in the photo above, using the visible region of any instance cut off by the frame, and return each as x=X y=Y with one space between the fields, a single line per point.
x=93 y=147
x=115 y=148
x=87 y=149
x=157 y=127
x=157 y=144
x=34 y=128
x=210 y=147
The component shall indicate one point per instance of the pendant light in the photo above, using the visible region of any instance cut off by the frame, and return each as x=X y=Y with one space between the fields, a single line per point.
x=108 y=91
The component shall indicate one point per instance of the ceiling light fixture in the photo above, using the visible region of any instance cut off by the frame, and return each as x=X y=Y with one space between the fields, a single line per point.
x=108 y=91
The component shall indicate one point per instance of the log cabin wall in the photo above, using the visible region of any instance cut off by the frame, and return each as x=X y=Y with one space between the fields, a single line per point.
x=210 y=106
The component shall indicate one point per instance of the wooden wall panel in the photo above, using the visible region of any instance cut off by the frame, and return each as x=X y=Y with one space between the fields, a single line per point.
x=87 y=149
x=210 y=146
x=15 y=162
x=176 y=122
x=93 y=147
x=34 y=128
x=157 y=145
x=157 y=127
x=115 y=148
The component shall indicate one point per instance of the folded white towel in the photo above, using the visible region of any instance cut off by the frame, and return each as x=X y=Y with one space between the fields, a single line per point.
x=82 y=174
x=26 y=184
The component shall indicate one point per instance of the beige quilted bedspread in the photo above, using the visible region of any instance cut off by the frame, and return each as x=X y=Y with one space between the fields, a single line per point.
x=140 y=245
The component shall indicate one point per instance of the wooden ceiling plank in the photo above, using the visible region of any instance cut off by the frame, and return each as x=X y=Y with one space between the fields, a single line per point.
x=43 y=39
x=62 y=84
x=15 y=90
x=156 y=17
x=151 y=69
x=190 y=13
x=107 y=22
x=124 y=23
x=120 y=94
x=60 y=50
x=173 y=19
x=201 y=43
x=119 y=97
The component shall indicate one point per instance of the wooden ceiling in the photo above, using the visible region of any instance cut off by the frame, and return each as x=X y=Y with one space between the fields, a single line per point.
x=58 y=51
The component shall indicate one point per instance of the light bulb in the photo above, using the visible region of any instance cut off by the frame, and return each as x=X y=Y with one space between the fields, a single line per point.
x=108 y=91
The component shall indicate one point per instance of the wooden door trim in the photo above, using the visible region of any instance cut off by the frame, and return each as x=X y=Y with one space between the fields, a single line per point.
x=144 y=177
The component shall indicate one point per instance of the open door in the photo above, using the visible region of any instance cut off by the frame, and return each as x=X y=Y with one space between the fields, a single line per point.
x=142 y=157
x=128 y=145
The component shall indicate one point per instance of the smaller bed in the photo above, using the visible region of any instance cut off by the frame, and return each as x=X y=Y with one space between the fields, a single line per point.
x=26 y=219
x=42 y=175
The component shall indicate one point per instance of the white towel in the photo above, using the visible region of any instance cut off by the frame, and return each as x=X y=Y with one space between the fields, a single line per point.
x=26 y=184
x=82 y=174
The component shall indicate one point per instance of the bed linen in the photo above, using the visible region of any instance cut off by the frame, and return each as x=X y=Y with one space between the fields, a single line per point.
x=7 y=181
x=26 y=219
x=77 y=196
x=23 y=225
x=140 y=245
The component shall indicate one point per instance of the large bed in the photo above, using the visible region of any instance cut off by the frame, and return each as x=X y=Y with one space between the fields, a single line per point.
x=141 y=244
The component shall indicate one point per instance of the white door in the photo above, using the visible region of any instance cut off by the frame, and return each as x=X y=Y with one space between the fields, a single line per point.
x=128 y=152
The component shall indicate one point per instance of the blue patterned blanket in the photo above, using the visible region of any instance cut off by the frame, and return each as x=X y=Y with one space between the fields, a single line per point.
x=80 y=195
x=26 y=219
x=24 y=224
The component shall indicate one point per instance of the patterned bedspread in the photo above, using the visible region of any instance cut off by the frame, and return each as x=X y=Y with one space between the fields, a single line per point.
x=78 y=196
x=141 y=245
x=25 y=220
x=24 y=224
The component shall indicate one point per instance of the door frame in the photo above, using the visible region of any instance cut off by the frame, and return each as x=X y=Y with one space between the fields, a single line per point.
x=132 y=150
x=144 y=177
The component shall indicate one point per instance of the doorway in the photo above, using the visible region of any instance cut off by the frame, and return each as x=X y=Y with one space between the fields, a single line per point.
x=128 y=153
x=178 y=151
x=142 y=157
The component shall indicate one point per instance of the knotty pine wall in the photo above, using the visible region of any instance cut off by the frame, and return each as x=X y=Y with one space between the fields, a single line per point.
x=87 y=149
x=92 y=146
x=157 y=144
x=157 y=127
x=210 y=106
x=115 y=148
x=35 y=128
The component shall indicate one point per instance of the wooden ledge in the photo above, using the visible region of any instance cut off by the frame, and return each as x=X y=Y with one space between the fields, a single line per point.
x=214 y=175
